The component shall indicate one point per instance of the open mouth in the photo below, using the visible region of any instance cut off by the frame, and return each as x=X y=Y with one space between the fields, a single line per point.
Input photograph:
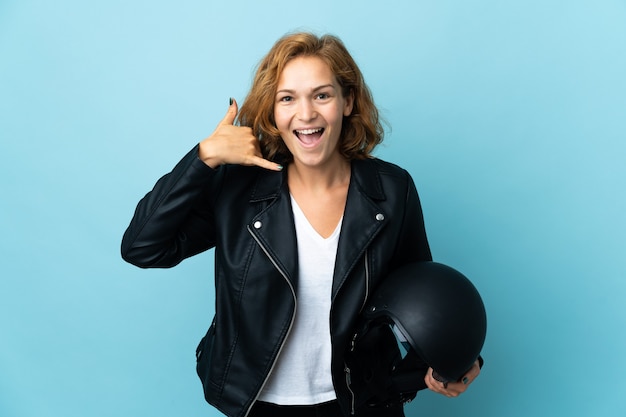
x=309 y=136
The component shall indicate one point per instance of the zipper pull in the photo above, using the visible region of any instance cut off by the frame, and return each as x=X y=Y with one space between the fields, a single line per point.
x=348 y=384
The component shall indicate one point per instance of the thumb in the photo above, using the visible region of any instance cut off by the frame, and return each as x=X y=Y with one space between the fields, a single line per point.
x=231 y=114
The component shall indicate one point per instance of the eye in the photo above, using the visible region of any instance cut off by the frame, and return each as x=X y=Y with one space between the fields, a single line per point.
x=285 y=99
x=322 y=96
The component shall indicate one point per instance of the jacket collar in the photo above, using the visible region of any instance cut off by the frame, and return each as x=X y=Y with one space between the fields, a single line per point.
x=367 y=177
x=268 y=185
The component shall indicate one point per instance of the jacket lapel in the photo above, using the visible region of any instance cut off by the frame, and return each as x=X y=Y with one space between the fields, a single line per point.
x=273 y=227
x=362 y=220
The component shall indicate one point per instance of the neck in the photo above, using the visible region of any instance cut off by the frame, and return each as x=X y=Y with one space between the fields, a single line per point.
x=320 y=177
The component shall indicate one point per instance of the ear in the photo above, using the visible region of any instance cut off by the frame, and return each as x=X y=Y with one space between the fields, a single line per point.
x=349 y=104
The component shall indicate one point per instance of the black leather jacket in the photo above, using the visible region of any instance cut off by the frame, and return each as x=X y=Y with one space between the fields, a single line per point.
x=245 y=214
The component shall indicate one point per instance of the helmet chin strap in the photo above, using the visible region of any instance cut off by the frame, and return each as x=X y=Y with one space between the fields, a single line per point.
x=408 y=376
x=380 y=375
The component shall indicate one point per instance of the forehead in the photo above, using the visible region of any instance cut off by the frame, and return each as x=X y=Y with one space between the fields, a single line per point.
x=304 y=72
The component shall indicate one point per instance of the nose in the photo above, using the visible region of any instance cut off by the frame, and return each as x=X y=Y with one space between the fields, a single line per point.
x=306 y=110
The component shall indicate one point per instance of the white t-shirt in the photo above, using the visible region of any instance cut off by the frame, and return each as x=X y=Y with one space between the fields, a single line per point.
x=302 y=373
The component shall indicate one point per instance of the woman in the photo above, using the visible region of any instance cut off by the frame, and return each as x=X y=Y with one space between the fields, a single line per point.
x=304 y=222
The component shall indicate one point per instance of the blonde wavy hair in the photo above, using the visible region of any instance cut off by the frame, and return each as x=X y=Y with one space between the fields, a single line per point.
x=361 y=130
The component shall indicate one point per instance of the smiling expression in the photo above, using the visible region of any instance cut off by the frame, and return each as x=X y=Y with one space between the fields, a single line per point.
x=309 y=111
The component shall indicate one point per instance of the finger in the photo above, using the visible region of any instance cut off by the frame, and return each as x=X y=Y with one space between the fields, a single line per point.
x=449 y=389
x=472 y=374
x=433 y=384
x=264 y=163
x=231 y=114
x=455 y=389
x=459 y=387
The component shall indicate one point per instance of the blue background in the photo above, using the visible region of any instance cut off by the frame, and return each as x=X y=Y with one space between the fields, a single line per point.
x=510 y=115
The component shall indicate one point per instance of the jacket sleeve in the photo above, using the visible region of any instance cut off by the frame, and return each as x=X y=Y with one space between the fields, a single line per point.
x=173 y=221
x=412 y=244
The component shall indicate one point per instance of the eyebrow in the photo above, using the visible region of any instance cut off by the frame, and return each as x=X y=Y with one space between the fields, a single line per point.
x=321 y=87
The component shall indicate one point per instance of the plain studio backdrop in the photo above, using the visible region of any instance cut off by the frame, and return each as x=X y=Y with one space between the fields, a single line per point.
x=510 y=115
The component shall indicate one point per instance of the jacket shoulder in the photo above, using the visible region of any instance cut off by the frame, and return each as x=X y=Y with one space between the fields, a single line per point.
x=375 y=169
x=389 y=168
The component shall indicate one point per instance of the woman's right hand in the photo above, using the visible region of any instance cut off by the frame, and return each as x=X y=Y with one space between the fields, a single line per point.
x=230 y=144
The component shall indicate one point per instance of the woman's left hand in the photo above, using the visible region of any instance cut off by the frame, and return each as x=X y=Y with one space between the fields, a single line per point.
x=452 y=389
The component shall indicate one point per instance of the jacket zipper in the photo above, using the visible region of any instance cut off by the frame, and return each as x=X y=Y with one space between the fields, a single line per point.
x=348 y=383
x=367 y=281
x=293 y=316
x=346 y=368
x=349 y=379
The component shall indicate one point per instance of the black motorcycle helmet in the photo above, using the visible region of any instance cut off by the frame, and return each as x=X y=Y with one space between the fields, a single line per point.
x=436 y=313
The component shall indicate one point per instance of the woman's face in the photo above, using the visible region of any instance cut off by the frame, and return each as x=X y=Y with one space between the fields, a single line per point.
x=309 y=109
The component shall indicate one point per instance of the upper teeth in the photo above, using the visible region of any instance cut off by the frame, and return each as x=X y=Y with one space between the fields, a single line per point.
x=309 y=131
